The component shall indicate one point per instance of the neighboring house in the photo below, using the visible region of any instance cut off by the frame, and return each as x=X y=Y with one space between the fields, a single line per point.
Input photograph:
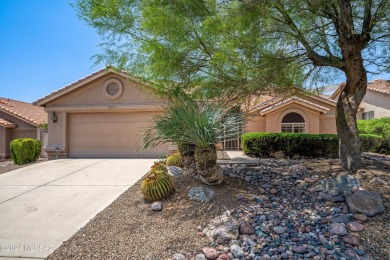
x=105 y=115
x=376 y=102
x=298 y=113
x=102 y=115
x=19 y=119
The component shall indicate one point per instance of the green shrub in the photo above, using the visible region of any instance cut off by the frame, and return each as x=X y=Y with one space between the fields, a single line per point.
x=25 y=150
x=370 y=143
x=377 y=127
x=265 y=144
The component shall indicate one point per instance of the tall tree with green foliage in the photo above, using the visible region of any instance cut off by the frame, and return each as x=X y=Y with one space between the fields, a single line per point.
x=235 y=49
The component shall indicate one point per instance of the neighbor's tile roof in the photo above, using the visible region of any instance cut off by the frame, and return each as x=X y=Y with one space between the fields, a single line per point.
x=6 y=123
x=379 y=85
x=22 y=110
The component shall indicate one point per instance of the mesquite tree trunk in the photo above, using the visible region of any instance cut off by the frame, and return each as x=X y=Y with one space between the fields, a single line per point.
x=347 y=107
x=206 y=165
x=351 y=44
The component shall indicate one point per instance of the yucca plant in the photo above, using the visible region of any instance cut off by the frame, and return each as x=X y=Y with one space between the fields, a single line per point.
x=199 y=125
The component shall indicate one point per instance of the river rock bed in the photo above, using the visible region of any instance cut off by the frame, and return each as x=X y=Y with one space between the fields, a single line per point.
x=289 y=221
x=297 y=215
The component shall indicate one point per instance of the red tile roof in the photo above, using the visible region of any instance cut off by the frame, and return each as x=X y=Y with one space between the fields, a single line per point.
x=25 y=111
x=6 y=123
x=379 y=85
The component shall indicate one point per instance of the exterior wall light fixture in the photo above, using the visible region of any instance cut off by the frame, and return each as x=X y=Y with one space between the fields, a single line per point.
x=54 y=117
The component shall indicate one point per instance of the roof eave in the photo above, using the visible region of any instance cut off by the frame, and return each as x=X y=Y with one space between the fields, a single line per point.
x=277 y=107
x=72 y=86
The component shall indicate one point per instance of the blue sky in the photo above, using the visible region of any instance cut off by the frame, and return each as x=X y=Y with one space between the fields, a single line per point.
x=44 y=47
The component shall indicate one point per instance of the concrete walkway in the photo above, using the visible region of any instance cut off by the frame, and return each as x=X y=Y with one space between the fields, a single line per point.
x=44 y=204
x=239 y=157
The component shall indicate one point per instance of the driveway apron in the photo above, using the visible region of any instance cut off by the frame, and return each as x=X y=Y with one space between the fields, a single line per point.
x=44 y=204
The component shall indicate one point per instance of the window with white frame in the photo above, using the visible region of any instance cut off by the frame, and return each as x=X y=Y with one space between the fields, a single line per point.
x=293 y=123
x=368 y=115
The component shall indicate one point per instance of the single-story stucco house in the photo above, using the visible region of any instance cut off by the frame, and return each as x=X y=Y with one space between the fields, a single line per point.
x=101 y=115
x=105 y=114
x=18 y=120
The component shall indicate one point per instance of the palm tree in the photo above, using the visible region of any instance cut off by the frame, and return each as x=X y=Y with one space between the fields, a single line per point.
x=196 y=124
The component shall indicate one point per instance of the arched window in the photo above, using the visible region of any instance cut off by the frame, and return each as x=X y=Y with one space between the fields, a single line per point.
x=293 y=123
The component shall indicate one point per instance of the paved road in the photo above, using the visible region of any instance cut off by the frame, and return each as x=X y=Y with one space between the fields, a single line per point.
x=44 y=204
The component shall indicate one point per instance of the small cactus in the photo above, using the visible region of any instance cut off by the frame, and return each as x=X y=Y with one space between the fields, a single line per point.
x=159 y=166
x=157 y=186
x=175 y=160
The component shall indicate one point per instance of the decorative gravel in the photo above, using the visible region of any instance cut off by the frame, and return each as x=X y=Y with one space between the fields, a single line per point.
x=8 y=165
x=286 y=219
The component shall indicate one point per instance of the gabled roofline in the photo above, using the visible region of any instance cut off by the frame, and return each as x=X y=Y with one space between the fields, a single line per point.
x=74 y=85
x=369 y=83
x=20 y=117
x=323 y=99
x=337 y=91
x=6 y=123
x=291 y=100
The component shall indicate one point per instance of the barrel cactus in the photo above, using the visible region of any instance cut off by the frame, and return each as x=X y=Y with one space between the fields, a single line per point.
x=157 y=186
x=175 y=160
x=159 y=166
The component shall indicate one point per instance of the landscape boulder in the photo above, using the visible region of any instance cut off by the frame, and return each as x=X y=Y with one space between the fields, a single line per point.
x=174 y=171
x=222 y=229
x=342 y=184
x=365 y=202
x=279 y=155
x=246 y=229
x=201 y=194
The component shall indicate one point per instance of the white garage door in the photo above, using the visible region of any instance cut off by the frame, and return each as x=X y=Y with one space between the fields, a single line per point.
x=110 y=135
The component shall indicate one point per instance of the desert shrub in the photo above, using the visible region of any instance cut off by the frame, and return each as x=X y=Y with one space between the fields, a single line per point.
x=25 y=150
x=265 y=144
x=380 y=127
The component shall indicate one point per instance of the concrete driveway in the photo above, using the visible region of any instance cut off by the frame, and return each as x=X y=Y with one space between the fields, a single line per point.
x=44 y=204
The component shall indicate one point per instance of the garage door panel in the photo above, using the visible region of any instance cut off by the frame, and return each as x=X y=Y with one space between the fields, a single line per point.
x=123 y=129
x=113 y=135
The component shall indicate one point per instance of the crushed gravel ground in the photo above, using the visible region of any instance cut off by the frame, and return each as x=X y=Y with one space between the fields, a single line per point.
x=128 y=229
x=8 y=165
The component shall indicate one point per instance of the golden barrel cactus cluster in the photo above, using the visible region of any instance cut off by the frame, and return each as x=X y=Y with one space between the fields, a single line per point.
x=158 y=184
x=175 y=160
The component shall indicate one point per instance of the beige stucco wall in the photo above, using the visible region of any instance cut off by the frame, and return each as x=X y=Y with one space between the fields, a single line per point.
x=316 y=122
x=255 y=123
x=5 y=136
x=328 y=124
x=377 y=102
x=22 y=130
x=92 y=94
x=374 y=101
x=90 y=99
